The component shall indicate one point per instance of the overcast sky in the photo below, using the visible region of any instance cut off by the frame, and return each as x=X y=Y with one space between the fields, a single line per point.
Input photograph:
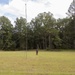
x=16 y=8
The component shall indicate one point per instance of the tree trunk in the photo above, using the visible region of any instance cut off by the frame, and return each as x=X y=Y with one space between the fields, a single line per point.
x=43 y=44
x=74 y=33
x=49 y=43
x=74 y=44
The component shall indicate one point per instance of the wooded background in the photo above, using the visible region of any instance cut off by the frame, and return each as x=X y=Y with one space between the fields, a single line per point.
x=44 y=32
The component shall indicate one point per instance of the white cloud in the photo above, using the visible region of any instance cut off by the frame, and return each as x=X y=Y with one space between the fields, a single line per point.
x=16 y=8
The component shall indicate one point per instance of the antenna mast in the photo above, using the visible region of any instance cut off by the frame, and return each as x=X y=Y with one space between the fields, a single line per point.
x=26 y=24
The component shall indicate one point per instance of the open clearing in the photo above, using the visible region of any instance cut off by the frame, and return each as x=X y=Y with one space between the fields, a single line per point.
x=45 y=63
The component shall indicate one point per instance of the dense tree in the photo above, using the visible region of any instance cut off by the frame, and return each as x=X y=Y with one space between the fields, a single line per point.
x=71 y=10
x=71 y=26
x=20 y=32
x=62 y=25
x=5 y=33
x=43 y=32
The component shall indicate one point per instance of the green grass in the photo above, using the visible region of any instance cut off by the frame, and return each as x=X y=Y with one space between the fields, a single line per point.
x=45 y=63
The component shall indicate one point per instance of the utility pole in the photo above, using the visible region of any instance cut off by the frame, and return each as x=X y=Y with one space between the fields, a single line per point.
x=26 y=24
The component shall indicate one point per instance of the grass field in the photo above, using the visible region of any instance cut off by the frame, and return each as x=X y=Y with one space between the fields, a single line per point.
x=45 y=63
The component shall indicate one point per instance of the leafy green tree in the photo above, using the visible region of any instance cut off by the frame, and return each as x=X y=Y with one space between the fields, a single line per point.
x=20 y=32
x=70 y=29
x=69 y=35
x=71 y=10
x=62 y=24
x=44 y=30
x=5 y=33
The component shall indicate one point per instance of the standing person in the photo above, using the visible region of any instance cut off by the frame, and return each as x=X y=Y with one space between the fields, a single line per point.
x=37 y=50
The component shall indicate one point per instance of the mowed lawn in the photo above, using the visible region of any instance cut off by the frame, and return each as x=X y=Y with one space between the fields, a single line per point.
x=45 y=63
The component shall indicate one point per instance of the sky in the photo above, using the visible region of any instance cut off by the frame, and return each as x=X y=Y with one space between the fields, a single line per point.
x=16 y=8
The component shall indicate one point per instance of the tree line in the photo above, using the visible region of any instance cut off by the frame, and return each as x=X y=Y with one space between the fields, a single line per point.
x=43 y=32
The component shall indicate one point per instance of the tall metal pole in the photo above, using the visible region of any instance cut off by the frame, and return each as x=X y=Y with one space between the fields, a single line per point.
x=26 y=25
